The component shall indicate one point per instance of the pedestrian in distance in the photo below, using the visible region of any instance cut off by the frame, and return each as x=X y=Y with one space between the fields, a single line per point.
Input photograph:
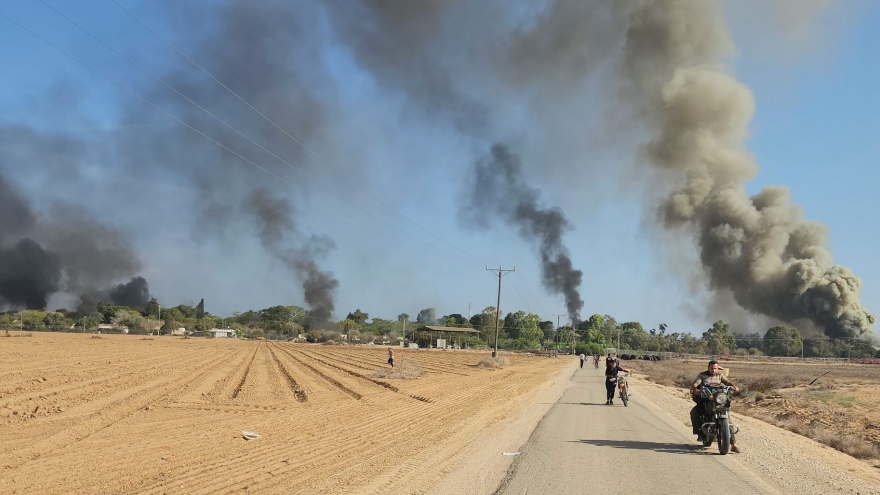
x=583 y=358
x=390 y=357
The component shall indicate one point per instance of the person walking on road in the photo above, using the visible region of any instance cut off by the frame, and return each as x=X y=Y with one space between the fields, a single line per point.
x=611 y=371
x=390 y=357
x=583 y=358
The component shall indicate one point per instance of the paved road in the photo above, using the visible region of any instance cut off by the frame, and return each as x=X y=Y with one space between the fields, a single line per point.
x=583 y=446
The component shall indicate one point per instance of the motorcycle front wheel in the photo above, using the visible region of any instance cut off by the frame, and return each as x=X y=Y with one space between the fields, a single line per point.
x=625 y=398
x=724 y=436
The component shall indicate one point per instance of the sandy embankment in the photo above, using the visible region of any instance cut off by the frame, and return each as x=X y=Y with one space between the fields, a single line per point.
x=789 y=462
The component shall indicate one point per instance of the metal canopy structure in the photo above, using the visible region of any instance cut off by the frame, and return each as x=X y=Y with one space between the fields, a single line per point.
x=446 y=331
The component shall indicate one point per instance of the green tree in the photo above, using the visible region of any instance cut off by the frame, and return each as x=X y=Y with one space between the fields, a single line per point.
x=90 y=322
x=57 y=322
x=186 y=311
x=782 y=341
x=126 y=318
x=200 y=309
x=514 y=324
x=456 y=320
x=718 y=338
x=609 y=328
x=6 y=320
x=152 y=309
x=107 y=310
x=427 y=316
x=358 y=317
x=32 y=319
x=485 y=323
x=592 y=329
x=347 y=325
x=530 y=331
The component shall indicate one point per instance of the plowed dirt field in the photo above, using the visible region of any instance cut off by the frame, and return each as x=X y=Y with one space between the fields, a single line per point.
x=125 y=414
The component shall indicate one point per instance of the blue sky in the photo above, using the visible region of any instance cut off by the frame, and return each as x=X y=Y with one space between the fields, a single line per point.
x=817 y=113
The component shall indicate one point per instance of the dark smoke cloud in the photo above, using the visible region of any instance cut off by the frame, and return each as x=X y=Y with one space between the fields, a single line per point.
x=16 y=216
x=760 y=248
x=498 y=190
x=403 y=45
x=28 y=275
x=64 y=250
x=277 y=230
x=134 y=294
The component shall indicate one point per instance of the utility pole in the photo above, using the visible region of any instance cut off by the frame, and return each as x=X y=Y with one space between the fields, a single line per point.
x=557 y=328
x=501 y=273
x=159 y=316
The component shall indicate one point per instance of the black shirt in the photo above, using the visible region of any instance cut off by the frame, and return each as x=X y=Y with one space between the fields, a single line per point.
x=612 y=370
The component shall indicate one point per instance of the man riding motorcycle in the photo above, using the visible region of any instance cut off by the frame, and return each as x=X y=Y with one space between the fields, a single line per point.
x=709 y=377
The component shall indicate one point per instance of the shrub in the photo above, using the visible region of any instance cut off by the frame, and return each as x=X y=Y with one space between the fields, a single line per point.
x=761 y=384
x=496 y=362
x=848 y=444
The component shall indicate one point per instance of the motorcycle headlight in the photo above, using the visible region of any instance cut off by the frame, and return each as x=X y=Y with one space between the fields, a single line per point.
x=721 y=398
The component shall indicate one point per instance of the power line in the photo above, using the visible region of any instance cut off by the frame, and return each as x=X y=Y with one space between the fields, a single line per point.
x=297 y=141
x=531 y=297
x=236 y=130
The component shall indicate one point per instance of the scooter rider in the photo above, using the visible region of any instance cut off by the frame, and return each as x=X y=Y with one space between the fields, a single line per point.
x=709 y=377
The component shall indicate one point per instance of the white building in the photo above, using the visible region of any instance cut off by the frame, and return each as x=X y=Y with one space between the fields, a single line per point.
x=222 y=332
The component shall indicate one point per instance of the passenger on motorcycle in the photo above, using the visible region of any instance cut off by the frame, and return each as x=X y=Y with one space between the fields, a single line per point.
x=611 y=371
x=709 y=377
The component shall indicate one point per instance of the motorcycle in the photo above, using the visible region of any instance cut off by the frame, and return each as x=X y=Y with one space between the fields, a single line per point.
x=716 y=423
x=623 y=389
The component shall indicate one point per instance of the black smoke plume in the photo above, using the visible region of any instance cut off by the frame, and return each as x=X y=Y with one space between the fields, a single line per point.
x=498 y=190
x=278 y=232
x=64 y=250
x=28 y=275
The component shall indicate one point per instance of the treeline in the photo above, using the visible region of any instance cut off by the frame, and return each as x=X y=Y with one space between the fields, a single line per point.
x=515 y=331
x=601 y=332
x=149 y=319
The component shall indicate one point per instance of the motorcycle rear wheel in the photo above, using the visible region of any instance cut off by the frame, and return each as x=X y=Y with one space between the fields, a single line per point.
x=724 y=437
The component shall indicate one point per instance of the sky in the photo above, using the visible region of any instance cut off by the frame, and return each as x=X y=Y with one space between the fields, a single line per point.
x=381 y=155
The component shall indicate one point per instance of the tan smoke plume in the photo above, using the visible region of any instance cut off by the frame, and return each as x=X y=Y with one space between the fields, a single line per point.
x=761 y=248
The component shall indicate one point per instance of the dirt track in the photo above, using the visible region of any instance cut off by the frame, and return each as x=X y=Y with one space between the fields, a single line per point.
x=124 y=414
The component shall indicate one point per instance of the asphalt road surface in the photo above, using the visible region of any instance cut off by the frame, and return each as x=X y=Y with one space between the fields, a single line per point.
x=583 y=446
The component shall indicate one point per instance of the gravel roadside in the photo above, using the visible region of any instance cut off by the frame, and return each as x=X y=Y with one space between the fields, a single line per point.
x=789 y=462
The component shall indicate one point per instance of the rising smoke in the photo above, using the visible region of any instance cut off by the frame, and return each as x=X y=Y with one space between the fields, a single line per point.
x=64 y=250
x=761 y=248
x=498 y=189
x=535 y=66
x=278 y=233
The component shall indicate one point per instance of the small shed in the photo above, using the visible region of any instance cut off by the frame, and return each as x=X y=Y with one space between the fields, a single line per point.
x=222 y=332
x=428 y=336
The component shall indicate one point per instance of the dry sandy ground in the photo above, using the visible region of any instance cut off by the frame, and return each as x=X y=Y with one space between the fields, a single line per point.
x=790 y=463
x=125 y=414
